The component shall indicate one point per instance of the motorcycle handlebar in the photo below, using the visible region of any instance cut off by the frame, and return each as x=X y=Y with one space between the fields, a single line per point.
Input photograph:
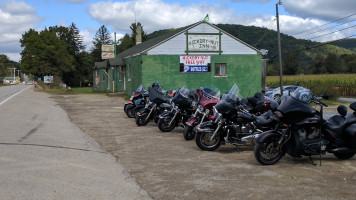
x=315 y=100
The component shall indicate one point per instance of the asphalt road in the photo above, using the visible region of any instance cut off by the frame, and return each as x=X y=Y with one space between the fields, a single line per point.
x=45 y=156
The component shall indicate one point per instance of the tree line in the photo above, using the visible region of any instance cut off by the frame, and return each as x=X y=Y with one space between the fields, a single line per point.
x=59 y=51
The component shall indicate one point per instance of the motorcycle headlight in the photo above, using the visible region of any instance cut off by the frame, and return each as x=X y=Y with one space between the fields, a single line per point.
x=207 y=111
x=194 y=104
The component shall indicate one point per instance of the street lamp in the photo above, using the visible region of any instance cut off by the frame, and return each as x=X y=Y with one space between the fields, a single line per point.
x=279 y=48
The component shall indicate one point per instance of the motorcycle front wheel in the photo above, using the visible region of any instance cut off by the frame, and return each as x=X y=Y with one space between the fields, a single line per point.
x=188 y=132
x=163 y=124
x=141 y=120
x=267 y=152
x=202 y=139
x=130 y=112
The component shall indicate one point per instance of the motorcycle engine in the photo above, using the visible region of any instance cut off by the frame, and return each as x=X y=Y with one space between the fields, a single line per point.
x=310 y=142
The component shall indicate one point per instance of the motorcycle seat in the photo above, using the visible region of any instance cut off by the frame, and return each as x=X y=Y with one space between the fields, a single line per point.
x=264 y=119
x=335 y=123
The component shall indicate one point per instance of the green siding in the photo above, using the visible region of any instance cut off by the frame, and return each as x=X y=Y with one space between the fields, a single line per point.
x=244 y=70
x=133 y=73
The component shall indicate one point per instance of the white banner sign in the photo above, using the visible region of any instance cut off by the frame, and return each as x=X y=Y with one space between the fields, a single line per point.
x=195 y=64
x=203 y=42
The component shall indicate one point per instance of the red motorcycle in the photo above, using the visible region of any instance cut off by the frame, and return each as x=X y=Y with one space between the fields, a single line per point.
x=207 y=97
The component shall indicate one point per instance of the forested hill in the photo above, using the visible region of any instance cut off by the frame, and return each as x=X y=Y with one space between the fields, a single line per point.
x=347 y=44
x=263 y=38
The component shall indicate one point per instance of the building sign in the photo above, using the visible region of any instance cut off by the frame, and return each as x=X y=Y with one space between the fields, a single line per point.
x=107 y=51
x=107 y=55
x=194 y=64
x=203 y=42
x=48 y=79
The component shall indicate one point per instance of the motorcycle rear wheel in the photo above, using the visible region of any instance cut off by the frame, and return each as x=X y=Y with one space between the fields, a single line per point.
x=203 y=142
x=141 y=120
x=188 y=133
x=344 y=156
x=266 y=151
x=163 y=124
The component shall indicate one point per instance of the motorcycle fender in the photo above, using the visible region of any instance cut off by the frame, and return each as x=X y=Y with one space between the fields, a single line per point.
x=351 y=133
x=207 y=124
x=143 y=111
x=128 y=102
x=129 y=106
x=166 y=114
x=192 y=121
x=266 y=134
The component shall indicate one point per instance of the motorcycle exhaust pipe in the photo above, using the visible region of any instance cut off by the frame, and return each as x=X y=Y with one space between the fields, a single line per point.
x=250 y=139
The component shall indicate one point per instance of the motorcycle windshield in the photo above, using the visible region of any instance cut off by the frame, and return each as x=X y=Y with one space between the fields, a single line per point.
x=156 y=96
x=234 y=93
x=140 y=89
x=211 y=91
x=184 y=92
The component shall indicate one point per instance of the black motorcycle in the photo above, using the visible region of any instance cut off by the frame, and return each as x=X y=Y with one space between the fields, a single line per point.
x=306 y=132
x=137 y=101
x=157 y=104
x=182 y=108
x=232 y=124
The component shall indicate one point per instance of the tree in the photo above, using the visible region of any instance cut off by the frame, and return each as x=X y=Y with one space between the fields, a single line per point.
x=319 y=65
x=102 y=36
x=124 y=43
x=6 y=65
x=45 y=53
x=291 y=64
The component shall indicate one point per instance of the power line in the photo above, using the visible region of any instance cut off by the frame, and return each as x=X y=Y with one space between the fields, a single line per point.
x=332 y=32
x=325 y=29
x=270 y=24
x=316 y=46
x=324 y=24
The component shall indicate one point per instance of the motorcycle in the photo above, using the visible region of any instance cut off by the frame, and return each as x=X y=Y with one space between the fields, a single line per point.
x=157 y=104
x=182 y=107
x=306 y=132
x=207 y=97
x=259 y=104
x=232 y=124
x=137 y=101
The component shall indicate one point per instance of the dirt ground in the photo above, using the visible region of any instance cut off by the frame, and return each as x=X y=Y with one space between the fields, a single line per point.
x=169 y=167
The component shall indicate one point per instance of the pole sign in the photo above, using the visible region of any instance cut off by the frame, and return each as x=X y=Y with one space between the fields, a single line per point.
x=107 y=51
x=195 y=64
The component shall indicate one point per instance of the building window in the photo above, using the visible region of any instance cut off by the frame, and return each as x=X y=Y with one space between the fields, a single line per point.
x=220 y=69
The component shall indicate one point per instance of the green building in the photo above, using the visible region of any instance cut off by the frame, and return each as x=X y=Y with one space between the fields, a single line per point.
x=197 y=55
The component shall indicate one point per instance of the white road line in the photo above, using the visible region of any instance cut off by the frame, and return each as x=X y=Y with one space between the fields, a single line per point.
x=14 y=95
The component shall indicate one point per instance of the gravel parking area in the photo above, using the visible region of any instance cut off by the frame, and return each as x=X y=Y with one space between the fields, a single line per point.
x=168 y=167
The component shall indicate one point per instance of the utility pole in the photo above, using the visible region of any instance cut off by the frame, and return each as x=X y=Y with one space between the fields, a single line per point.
x=279 y=49
x=14 y=75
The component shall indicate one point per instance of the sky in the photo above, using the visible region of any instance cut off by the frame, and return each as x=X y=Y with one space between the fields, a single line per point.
x=316 y=20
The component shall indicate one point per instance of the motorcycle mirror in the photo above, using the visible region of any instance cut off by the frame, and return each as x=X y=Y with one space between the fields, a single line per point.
x=324 y=96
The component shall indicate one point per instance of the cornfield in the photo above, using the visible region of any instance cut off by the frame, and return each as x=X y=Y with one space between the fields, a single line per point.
x=334 y=84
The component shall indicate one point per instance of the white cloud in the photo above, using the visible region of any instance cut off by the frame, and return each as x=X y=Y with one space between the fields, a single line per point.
x=73 y=1
x=155 y=15
x=15 y=19
x=328 y=10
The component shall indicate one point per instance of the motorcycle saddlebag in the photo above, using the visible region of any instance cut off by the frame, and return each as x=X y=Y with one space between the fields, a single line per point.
x=350 y=133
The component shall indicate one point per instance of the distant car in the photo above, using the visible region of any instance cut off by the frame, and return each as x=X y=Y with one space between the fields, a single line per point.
x=287 y=90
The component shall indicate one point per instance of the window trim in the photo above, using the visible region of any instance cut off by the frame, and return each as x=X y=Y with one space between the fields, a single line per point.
x=220 y=76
